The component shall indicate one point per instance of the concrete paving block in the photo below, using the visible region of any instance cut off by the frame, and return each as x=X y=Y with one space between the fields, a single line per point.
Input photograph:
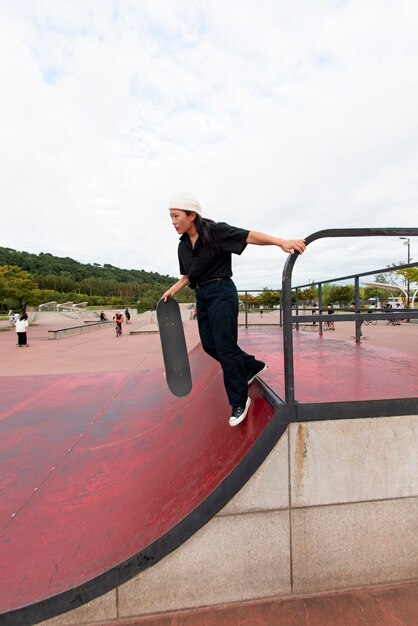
x=353 y=460
x=231 y=558
x=100 y=610
x=351 y=545
x=268 y=488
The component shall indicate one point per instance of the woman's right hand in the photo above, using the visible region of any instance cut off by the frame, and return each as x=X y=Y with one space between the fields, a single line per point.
x=180 y=284
x=167 y=294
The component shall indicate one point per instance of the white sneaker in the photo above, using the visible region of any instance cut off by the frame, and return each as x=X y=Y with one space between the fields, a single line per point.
x=239 y=413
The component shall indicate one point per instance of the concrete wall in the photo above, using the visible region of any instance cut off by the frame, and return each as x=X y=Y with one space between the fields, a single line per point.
x=334 y=506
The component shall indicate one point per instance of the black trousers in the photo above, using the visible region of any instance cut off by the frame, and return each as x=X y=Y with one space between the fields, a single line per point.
x=22 y=339
x=217 y=317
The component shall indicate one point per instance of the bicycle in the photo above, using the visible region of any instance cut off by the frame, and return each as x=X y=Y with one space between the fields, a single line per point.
x=118 y=329
x=298 y=326
x=368 y=322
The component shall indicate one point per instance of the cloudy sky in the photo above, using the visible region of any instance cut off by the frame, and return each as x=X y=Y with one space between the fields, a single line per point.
x=285 y=116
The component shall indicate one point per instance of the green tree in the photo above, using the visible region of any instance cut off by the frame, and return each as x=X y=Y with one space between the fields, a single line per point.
x=310 y=294
x=372 y=292
x=392 y=277
x=343 y=294
x=248 y=298
x=269 y=298
x=149 y=301
x=410 y=274
x=18 y=286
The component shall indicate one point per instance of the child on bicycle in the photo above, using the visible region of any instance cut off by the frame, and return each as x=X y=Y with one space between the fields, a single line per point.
x=118 y=318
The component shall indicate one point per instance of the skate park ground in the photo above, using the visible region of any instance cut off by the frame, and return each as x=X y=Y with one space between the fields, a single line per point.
x=101 y=351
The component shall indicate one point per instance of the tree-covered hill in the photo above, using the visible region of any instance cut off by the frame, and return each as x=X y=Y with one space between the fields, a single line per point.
x=34 y=279
x=45 y=264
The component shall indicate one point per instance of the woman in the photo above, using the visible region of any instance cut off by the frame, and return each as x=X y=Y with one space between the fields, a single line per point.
x=204 y=252
x=20 y=327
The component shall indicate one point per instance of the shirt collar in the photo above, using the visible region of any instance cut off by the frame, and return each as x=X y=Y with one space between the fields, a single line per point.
x=186 y=239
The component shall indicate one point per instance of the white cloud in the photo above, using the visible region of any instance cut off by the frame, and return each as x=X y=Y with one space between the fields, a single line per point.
x=285 y=117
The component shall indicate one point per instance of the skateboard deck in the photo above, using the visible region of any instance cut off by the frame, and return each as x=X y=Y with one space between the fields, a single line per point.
x=173 y=344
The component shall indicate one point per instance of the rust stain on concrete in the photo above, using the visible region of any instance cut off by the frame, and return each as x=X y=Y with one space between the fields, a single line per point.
x=301 y=453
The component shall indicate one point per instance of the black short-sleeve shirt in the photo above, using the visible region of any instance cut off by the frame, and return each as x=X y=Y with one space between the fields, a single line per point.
x=200 y=264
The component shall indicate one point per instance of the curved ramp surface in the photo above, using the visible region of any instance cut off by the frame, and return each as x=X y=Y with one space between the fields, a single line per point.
x=102 y=474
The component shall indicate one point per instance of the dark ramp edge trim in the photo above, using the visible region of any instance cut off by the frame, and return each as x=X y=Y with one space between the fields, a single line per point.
x=315 y=412
x=78 y=596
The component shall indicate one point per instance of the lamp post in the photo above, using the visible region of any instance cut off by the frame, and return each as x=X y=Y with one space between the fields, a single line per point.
x=407 y=243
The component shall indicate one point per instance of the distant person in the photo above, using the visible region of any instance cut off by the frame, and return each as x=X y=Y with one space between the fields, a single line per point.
x=103 y=317
x=388 y=306
x=127 y=316
x=11 y=319
x=118 y=318
x=261 y=310
x=314 y=310
x=205 y=258
x=20 y=327
x=330 y=324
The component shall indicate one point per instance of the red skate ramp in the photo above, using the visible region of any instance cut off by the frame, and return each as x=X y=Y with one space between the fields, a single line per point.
x=103 y=474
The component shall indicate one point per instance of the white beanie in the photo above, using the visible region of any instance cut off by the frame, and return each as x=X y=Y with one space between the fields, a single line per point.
x=186 y=202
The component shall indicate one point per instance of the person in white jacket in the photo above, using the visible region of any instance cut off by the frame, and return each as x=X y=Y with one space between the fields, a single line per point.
x=21 y=326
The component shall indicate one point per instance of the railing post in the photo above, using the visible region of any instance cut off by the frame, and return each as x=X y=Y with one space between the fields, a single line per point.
x=246 y=308
x=289 y=376
x=320 y=306
x=357 y=307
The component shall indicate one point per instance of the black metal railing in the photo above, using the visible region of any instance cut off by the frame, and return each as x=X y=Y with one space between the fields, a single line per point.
x=357 y=316
x=383 y=315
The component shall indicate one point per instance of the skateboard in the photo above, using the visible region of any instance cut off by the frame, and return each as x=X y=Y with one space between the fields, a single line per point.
x=173 y=344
